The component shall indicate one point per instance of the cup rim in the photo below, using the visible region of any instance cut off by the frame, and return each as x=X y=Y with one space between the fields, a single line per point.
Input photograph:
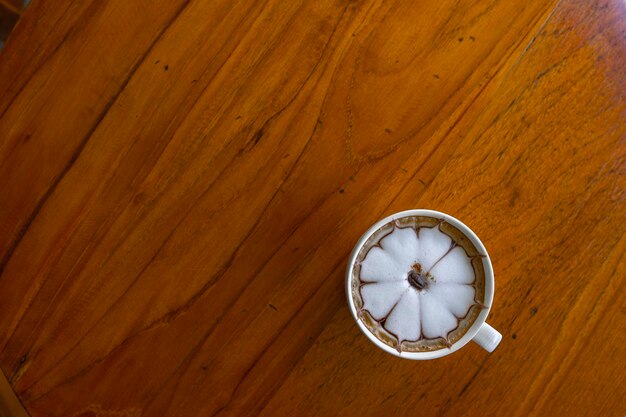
x=489 y=285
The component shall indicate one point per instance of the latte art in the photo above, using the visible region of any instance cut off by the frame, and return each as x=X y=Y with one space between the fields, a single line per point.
x=419 y=284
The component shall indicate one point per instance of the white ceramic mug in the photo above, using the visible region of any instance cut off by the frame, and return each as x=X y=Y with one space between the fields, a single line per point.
x=480 y=332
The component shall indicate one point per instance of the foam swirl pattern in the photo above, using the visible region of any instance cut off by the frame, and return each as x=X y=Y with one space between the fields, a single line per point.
x=417 y=283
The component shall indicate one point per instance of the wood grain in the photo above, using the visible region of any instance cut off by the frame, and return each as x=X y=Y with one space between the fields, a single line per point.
x=10 y=405
x=9 y=14
x=183 y=181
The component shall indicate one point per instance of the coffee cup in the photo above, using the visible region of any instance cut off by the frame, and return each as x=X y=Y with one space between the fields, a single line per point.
x=430 y=221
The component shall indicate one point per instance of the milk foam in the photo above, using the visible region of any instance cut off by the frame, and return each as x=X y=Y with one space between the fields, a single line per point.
x=429 y=306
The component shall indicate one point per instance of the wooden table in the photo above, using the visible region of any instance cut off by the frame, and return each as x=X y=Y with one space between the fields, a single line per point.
x=182 y=182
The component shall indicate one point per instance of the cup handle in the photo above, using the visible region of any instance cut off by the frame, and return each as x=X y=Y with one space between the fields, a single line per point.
x=487 y=337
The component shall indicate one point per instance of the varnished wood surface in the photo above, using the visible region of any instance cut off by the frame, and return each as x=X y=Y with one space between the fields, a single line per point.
x=10 y=405
x=182 y=182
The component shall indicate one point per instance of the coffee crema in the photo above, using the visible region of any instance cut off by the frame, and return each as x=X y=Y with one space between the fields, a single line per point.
x=418 y=284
